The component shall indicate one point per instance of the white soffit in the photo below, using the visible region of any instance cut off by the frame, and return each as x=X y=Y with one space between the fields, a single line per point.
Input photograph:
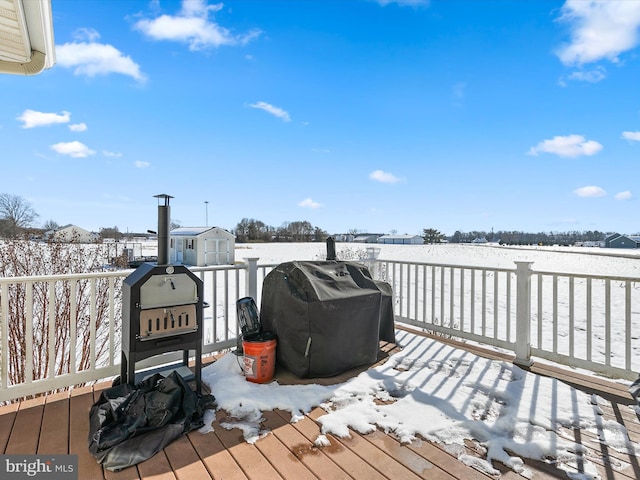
x=26 y=36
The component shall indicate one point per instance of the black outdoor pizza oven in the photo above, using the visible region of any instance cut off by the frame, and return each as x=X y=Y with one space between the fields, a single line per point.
x=161 y=309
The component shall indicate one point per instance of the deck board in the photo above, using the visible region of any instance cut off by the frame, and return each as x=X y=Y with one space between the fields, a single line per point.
x=216 y=458
x=247 y=456
x=80 y=402
x=28 y=422
x=315 y=459
x=53 y=439
x=59 y=424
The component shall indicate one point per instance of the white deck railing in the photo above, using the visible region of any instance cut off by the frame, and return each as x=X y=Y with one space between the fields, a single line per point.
x=586 y=321
x=578 y=320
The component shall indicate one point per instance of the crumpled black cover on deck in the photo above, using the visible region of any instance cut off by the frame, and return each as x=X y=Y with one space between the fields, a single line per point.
x=328 y=316
x=130 y=424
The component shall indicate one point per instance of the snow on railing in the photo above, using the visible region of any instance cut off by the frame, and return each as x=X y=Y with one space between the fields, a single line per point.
x=580 y=320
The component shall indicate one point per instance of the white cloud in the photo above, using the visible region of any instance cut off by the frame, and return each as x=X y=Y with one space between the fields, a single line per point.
x=193 y=26
x=383 y=177
x=590 y=191
x=141 y=164
x=600 y=29
x=404 y=3
x=91 y=59
x=592 y=76
x=632 y=136
x=276 y=111
x=567 y=146
x=78 y=127
x=89 y=34
x=107 y=153
x=308 y=203
x=626 y=195
x=32 y=119
x=73 y=149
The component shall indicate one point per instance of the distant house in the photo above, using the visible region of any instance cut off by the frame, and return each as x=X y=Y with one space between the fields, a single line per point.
x=622 y=241
x=70 y=233
x=367 y=238
x=343 y=237
x=481 y=240
x=201 y=246
x=401 y=239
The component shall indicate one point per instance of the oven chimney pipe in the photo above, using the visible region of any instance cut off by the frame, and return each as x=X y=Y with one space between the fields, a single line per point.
x=164 y=217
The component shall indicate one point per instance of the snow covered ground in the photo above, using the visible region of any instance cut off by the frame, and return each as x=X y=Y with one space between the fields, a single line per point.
x=434 y=391
x=439 y=393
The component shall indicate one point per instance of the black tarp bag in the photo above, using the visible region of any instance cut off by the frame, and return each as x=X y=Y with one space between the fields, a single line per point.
x=129 y=424
x=329 y=316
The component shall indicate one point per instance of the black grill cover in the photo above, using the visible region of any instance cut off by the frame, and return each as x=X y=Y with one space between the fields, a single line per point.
x=328 y=316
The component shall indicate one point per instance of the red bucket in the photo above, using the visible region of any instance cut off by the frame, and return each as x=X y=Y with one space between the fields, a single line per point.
x=259 y=360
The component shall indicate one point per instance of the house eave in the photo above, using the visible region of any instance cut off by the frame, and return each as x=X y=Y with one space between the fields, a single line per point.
x=26 y=36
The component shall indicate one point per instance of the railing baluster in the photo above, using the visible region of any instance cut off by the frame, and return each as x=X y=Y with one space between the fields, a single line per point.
x=112 y=320
x=452 y=285
x=589 y=319
x=484 y=303
x=627 y=324
x=472 y=317
x=401 y=276
x=4 y=335
x=433 y=294
x=415 y=291
x=607 y=322
x=571 y=315
x=555 y=314
x=73 y=333
x=92 y=323
x=424 y=293
x=442 y=295
x=540 y=310
x=28 y=374
x=508 y=307
x=462 y=294
x=495 y=304
x=51 y=313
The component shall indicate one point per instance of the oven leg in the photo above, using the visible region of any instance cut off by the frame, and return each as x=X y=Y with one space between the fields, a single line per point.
x=131 y=378
x=123 y=368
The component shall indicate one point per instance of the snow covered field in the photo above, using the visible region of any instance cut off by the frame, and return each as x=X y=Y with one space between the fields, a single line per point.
x=591 y=260
x=436 y=392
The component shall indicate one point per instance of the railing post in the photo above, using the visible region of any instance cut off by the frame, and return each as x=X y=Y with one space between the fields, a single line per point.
x=523 y=314
x=252 y=277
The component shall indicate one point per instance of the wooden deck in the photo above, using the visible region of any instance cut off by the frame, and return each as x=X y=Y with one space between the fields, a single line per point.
x=59 y=424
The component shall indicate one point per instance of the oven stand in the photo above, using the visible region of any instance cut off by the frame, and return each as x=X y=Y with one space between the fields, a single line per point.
x=128 y=359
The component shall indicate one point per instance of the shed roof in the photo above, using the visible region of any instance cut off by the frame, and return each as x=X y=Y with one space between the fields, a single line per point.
x=400 y=236
x=192 y=231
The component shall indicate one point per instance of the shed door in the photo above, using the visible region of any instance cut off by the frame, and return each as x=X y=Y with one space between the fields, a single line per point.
x=179 y=250
x=217 y=252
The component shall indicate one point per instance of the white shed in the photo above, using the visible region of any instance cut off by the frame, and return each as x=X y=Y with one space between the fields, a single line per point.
x=201 y=246
x=402 y=239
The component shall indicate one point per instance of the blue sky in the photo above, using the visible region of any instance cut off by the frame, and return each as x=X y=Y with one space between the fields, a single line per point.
x=382 y=116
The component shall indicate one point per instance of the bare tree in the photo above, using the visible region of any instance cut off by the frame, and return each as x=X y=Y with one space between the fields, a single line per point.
x=17 y=214
x=50 y=225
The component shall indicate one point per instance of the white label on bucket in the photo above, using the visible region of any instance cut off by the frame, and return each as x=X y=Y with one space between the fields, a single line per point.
x=248 y=366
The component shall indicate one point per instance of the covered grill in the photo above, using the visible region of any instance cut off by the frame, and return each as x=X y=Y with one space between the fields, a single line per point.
x=161 y=309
